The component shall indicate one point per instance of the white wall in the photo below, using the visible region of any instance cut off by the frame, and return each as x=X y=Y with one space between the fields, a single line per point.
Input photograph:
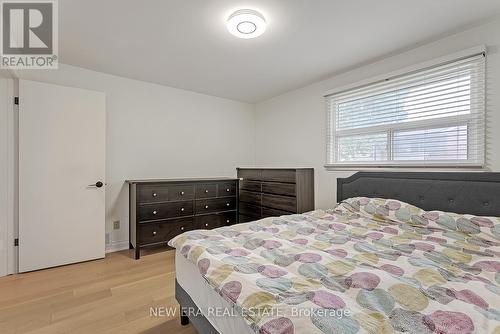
x=291 y=128
x=154 y=131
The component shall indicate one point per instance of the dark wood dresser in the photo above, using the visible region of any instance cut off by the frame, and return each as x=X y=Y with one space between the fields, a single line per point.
x=272 y=192
x=162 y=209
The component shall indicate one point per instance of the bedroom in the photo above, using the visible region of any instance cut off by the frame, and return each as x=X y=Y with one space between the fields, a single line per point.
x=320 y=167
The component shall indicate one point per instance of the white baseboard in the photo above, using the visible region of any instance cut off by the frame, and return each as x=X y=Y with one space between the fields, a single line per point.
x=116 y=246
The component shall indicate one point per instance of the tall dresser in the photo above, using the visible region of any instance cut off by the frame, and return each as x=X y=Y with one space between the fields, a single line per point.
x=268 y=192
x=162 y=209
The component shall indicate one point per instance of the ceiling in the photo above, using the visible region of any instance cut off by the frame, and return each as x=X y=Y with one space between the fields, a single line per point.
x=185 y=44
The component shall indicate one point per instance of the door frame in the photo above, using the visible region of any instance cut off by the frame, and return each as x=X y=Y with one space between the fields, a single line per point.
x=8 y=175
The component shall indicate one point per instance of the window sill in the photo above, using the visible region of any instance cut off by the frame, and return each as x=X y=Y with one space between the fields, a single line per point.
x=406 y=168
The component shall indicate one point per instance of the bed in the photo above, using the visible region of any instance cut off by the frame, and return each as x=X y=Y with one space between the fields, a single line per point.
x=402 y=252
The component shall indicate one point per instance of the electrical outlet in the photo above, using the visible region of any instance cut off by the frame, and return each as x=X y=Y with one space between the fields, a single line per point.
x=116 y=225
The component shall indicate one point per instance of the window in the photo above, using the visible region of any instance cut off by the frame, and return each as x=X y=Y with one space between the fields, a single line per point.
x=430 y=117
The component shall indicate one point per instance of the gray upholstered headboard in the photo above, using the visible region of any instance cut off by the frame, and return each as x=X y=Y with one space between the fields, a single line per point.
x=460 y=192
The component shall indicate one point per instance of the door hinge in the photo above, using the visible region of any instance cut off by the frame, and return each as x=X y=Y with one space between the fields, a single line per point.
x=16 y=242
x=16 y=100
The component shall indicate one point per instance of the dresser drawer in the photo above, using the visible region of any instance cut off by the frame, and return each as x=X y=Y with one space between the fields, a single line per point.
x=163 y=231
x=251 y=185
x=214 y=220
x=151 y=194
x=268 y=212
x=226 y=189
x=287 y=189
x=279 y=175
x=165 y=210
x=228 y=218
x=206 y=190
x=250 y=210
x=250 y=197
x=215 y=205
x=180 y=192
x=250 y=174
x=283 y=203
x=208 y=222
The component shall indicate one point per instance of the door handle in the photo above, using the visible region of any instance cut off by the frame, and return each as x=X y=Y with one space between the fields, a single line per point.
x=98 y=184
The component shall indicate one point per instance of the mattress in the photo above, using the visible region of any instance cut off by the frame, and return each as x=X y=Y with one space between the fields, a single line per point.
x=210 y=303
x=369 y=266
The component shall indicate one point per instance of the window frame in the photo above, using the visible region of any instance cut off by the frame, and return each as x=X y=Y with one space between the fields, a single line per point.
x=447 y=121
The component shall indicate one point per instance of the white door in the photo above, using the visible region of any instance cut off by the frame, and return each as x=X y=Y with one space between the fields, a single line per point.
x=61 y=158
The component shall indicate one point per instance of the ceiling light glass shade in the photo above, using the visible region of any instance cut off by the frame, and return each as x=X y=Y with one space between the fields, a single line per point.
x=246 y=23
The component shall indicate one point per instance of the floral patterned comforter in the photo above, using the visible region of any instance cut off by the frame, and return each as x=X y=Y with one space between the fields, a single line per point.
x=367 y=266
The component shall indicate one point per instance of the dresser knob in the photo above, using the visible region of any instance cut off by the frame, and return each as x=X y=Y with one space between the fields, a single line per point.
x=154 y=232
x=206 y=206
x=182 y=228
x=206 y=191
x=182 y=193
x=154 y=194
x=206 y=225
x=227 y=189
x=227 y=204
x=227 y=221
x=154 y=212
x=182 y=209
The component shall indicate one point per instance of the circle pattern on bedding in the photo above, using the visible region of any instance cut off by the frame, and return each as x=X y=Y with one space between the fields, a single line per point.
x=393 y=266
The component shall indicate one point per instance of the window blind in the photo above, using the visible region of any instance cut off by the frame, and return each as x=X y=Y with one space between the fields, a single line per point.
x=430 y=117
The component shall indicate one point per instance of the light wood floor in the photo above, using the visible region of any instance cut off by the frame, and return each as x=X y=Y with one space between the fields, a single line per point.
x=112 y=295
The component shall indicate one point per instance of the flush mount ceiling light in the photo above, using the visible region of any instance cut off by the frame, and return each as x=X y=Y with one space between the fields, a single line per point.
x=246 y=23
